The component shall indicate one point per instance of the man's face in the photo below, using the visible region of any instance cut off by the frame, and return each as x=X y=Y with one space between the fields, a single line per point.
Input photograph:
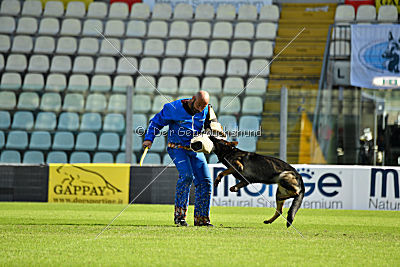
x=198 y=106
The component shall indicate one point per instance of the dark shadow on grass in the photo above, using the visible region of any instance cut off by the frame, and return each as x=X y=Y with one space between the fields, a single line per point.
x=91 y=224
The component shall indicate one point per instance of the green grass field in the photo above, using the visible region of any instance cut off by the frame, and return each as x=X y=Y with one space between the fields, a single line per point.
x=64 y=235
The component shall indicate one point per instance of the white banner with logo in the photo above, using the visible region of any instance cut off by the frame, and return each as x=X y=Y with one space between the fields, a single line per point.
x=327 y=187
x=375 y=56
x=215 y=3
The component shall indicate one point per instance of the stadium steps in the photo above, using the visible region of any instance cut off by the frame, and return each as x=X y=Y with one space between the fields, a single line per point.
x=297 y=68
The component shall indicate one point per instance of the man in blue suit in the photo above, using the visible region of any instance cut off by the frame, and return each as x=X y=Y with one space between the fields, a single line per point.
x=186 y=119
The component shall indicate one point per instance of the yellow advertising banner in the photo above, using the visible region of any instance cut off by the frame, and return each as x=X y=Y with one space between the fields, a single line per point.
x=89 y=183
x=379 y=3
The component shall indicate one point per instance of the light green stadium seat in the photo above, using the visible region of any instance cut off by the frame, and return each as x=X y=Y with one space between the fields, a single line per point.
x=189 y=85
x=159 y=101
x=57 y=157
x=15 y=62
x=252 y=105
x=23 y=120
x=46 y=121
x=117 y=103
x=213 y=85
x=230 y=105
x=121 y=158
x=22 y=44
x=152 y=159
x=51 y=102
x=114 y=122
x=33 y=82
x=17 y=140
x=251 y=123
x=109 y=142
x=233 y=85
x=136 y=142
x=145 y=84
x=257 y=86
x=56 y=82
x=7 y=100
x=10 y=156
x=73 y=102
x=28 y=100
x=78 y=83
x=86 y=141
x=91 y=122
x=68 y=121
x=228 y=122
x=139 y=120
x=33 y=157
x=121 y=82
x=32 y=8
x=96 y=103
x=5 y=44
x=79 y=157
x=11 y=81
x=63 y=141
x=247 y=143
x=40 y=140
x=100 y=83
x=5 y=120
x=103 y=157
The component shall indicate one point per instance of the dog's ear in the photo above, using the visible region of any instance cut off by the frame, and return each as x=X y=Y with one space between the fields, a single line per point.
x=234 y=143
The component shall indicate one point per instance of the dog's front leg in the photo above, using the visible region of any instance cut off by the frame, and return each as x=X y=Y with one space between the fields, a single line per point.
x=222 y=174
x=236 y=188
x=239 y=165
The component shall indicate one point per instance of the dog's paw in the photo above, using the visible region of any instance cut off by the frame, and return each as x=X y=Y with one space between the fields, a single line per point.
x=234 y=189
x=267 y=222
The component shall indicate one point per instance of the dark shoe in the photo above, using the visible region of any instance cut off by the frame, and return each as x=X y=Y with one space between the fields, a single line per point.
x=180 y=216
x=180 y=222
x=202 y=221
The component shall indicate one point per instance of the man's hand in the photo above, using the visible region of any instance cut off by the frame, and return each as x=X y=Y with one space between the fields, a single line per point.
x=147 y=143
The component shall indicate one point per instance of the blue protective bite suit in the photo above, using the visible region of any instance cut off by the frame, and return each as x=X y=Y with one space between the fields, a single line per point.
x=192 y=166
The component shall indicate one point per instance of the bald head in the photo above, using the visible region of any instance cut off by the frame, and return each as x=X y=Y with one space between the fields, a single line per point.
x=200 y=101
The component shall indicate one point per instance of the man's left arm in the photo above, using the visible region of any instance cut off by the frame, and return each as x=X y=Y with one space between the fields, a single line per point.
x=211 y=124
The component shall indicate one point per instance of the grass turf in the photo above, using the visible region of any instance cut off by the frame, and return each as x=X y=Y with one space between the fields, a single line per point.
x=64 y=235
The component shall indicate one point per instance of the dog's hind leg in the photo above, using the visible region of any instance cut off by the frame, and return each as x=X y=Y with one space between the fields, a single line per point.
x=278 y=212
x=281 y=196
x=236 y=188
x=222 y=174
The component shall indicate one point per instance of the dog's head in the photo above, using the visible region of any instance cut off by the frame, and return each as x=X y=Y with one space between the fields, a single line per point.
x=222 y=147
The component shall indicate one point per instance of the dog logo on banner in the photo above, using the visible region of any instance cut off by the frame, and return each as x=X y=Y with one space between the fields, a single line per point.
x=375 y=59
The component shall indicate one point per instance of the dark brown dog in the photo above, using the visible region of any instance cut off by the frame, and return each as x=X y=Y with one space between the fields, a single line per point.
x=250 y=167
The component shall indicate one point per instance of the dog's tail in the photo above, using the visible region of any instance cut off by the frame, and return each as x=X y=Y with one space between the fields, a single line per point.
x=296 y=203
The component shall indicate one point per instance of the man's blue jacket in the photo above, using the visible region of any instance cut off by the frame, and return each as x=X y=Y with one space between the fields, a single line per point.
x=182 y=126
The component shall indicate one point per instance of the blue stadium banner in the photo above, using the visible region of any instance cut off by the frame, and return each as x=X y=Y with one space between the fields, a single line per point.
x=375 y=56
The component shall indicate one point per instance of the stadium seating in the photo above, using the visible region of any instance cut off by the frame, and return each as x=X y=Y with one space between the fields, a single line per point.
x=56 y=82
x=62 y=80
x=57 y=157
x=103 y=157
x=33 y=157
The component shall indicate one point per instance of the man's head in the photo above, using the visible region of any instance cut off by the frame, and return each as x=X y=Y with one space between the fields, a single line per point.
x=199 y=101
